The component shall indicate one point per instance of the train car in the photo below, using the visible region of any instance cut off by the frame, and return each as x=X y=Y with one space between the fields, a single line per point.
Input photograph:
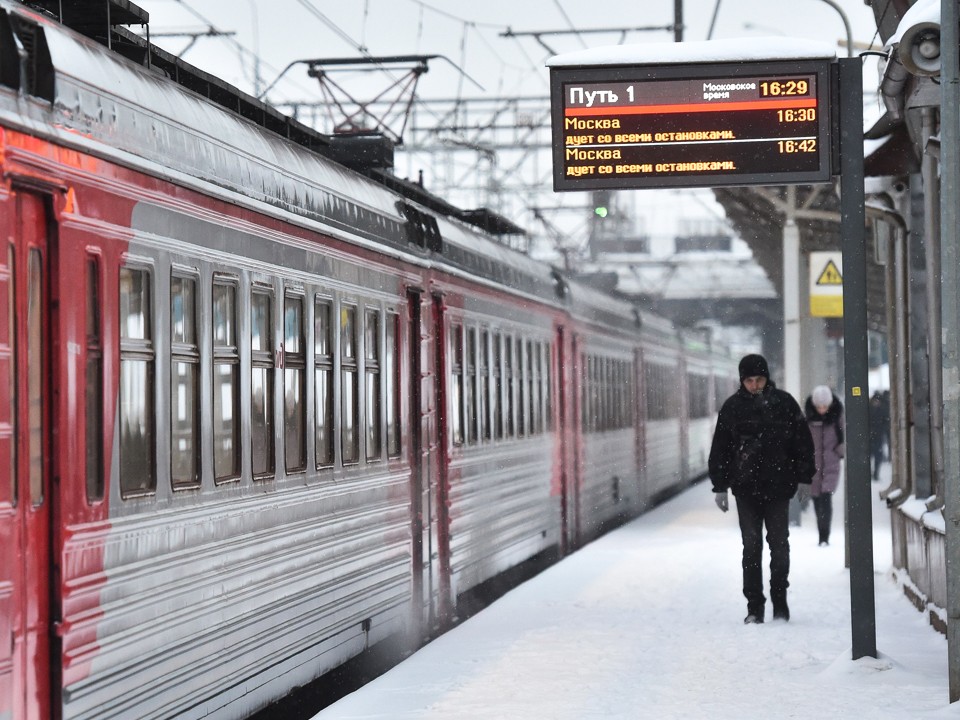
x=259 y=412
x=607 y=466
x=705 y=381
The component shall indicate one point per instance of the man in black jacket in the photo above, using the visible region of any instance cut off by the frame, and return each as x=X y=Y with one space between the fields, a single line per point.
x=762 y=449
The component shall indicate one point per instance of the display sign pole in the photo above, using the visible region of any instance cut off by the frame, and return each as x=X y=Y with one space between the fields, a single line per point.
x=855 y=360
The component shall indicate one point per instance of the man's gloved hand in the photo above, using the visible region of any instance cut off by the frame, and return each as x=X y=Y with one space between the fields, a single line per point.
x=803 y=493
x=721 y=499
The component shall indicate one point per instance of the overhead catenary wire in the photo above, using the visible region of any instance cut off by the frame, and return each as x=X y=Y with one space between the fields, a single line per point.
x=570 y=24
x=242 y=49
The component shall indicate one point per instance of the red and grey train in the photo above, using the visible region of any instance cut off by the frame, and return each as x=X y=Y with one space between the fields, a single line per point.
x=259 y=412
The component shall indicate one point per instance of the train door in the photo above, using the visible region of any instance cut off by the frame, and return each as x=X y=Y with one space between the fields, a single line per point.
x=684 y=415
x=425 y=339
x=640 y=424
x=25 y=464
x=574 y=390
x=568 y=499
x=440 y=492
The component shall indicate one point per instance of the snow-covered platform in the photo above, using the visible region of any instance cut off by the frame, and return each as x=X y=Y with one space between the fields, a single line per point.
x=648 y=622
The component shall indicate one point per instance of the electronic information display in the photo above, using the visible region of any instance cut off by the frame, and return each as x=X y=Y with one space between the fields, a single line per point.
x=745 y=123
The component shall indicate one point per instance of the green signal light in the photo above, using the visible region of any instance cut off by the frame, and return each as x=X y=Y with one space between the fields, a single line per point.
x=600 y=211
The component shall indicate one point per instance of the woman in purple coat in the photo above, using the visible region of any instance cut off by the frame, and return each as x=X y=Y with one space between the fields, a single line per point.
x=824 y=413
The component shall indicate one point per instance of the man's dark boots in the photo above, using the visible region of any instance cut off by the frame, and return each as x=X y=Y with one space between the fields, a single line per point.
x=780 y=609
x=754 y=614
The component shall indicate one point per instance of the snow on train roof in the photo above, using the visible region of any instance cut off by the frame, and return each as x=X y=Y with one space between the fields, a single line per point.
x=701 y=51
x=143 y=113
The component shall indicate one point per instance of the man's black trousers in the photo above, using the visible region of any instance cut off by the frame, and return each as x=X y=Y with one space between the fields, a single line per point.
x=754 y=514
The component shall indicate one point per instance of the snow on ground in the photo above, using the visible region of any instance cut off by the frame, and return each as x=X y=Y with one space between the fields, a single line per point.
x=648 y=622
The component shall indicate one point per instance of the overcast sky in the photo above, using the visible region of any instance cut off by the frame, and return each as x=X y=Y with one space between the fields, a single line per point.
x=478 y=60
x=469 y=34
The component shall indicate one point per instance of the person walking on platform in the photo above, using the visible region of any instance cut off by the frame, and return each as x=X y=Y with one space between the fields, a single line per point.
x=762 y=449
x=877 y=420
x=824 y=413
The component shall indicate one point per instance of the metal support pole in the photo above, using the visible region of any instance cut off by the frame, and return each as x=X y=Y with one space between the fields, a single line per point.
x=903 y=468
x=931 y=236
x=855 y=360
x=950 y=254
x=791 y=298
x=678 y=20
x=791 y=314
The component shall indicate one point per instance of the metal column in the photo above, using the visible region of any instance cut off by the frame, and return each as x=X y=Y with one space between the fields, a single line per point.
x=950 y=255
x=855 y=360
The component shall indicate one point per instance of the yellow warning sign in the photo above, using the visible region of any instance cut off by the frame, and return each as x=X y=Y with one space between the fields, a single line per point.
x=826 y=284
x=830 y=275
x=826 y=305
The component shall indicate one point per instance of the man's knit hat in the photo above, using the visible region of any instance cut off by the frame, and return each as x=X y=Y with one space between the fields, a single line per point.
x=752 y=366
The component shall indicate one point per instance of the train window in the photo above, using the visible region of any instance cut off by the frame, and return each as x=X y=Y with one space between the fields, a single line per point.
x=596 y=395
x=10 y=368
x=619 y=389
x=698 y=395
x=524 y=360
x=614 y=398
x=94 y=390
x=456 y=384
x=262 y=448
x=606 y=383
x=598 y=404
x=619 y=394
x=723 y=387
x=585 y=377
x=35 y=353
x=586 y=403
x=662 y=401
x=596 y=392
x=349 y=401
x=508 y=372
x=496 y=411
x=652 y=391
x=616 y=394
x=294 y=385
x=626 y=404
x=226 y=382
x=137 y=433
x=521 y=391
x=617 y=398
x=600 y=394
x=371 y=372
x=548 y=383
x=323 y=371
x=184 y=383
x=471 y=411
x=484 y=362
x=623 y=385
x=392 y=377
x=533 y=383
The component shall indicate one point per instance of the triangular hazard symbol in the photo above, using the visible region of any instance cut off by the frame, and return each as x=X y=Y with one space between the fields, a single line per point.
x=830 y=275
